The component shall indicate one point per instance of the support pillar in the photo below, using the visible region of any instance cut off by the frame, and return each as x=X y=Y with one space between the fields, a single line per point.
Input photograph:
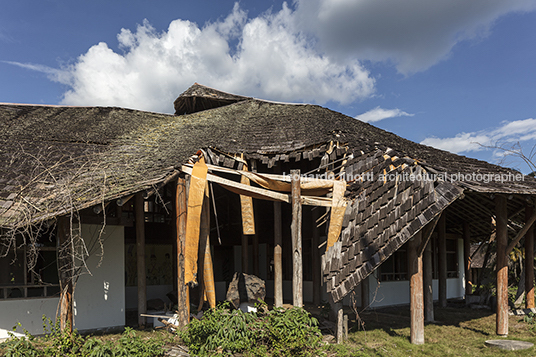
x=427 y=283
x=365 y=300
x=317 y=282
x=529 y=261
x=140 y=253
x=245 y=249
x=416 y=291
x=295 y=228
x=66 y=273
x=278 y=265
x=467 y=258
x=502 y=265
x=183 y=303
x=255 y=259
x=442 y=258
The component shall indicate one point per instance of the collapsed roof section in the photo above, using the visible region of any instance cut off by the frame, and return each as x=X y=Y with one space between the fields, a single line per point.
x=198 y=98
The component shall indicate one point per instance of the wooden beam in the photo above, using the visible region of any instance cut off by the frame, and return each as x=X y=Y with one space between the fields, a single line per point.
x=416 y=291
x=315 y=241
x=261 y=193
x=467 y=258
x=255 y=254
x=529 y=261
x=427 y=283
x=365 y=300
x=183 y=305
x=502 y=265
x=442 y=258
x=295 y=228
x=66 y=273
x=427 y=234
x=245 y=251
x=140 y=253
x=278 y=265
x=529 y=222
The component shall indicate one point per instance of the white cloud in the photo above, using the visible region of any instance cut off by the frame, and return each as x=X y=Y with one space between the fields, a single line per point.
x=272 y=60
x=311 y=54
x=413 y=34
x=506 y=136
x=378 y=114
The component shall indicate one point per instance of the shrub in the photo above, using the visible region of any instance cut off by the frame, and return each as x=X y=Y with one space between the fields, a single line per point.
x=278 y=332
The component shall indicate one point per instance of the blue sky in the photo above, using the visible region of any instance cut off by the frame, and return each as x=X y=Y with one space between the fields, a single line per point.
x=447 y=73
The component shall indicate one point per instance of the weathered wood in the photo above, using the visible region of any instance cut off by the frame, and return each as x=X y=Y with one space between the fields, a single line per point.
x=183 y=308
x=66 y=269
x=442 y=259
x=529 y=222
x=502 y=265
x=315 y=241
x=467 y=258
x=255 y=254
x=427 y=283
x=416 y=291
x=365 y=300
x=278 y=266
x=262 y=193
x=529 y=261
x=140 y=254
x=245 y=251
x=297 y=276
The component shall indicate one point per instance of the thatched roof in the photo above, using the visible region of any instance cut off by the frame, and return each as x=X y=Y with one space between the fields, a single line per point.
x=102 y=152
x=198 y=98
x=55 y=159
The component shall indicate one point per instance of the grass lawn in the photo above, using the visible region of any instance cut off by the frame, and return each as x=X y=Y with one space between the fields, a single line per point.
x=458 y=331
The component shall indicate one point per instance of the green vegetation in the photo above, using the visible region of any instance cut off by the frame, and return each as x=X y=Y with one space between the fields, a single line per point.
x=278 y=332
x=57 y=343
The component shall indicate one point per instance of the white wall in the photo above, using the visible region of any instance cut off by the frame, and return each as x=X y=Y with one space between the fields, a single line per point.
x=28 y=312
x=99 y=299
x=397 y=292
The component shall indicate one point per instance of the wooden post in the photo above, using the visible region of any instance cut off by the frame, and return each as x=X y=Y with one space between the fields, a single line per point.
x=256 y=255
x=336 y=315
x=416 y=291
x=442 y=258
x=183 y=305
x=245 y=248
x=467 y=258
x=140 y=249
x=501 y=213
x=278 y=266
x=66 y=270
x=365 y=300
x=529 y=261
x=315 y=241
x=427 y=282
x=297 y=276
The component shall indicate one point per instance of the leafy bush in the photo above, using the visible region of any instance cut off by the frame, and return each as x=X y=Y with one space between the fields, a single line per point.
x=278 y=332
x=58 y=343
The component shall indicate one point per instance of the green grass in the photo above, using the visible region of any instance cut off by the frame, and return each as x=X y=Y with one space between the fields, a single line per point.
x=456 y=332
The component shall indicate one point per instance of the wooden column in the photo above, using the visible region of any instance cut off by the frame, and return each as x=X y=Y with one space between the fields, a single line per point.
x=183 y=305
x=365 y=301
x=502 y=265
x=427 y=283
x=529 y=261
x=245 y=249
x=140 y=253
x=337 y=315
x=317 y=282
x=278 y=266
x=66 y=273
x=467 y=258
x=295 y=228
x=416 y=290
x=255 y=259
x=442 y=258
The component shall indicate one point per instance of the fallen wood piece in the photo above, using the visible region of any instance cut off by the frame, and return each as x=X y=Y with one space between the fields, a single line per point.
x=168 y=324
x=162 y=316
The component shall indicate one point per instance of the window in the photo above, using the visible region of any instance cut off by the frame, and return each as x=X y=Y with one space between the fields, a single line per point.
x=17 y=280
x=395 y=267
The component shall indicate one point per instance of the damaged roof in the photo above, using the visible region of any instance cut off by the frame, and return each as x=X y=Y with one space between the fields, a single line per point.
x=97 y=153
